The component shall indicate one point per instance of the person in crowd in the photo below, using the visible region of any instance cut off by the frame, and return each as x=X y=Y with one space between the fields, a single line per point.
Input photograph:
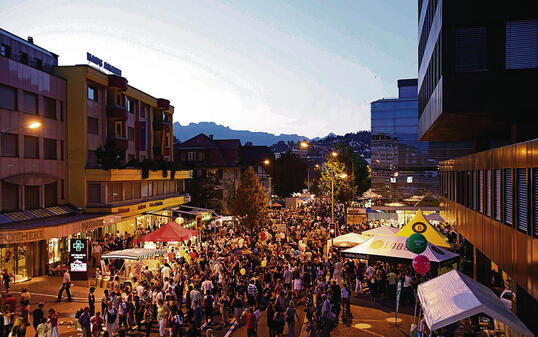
x=66 y=285
x=37 y=316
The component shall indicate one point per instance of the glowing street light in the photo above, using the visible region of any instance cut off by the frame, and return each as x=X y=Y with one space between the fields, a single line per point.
x=267 y=162
x=32 y=125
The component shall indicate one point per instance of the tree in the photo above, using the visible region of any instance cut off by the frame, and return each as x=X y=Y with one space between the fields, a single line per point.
x=290 y=174
x=201 y=189
x=332 y=170
x=109 y=157
x=361 y=174
x=249 y=204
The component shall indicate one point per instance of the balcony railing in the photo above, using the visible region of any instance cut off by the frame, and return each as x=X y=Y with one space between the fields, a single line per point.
x=118 y=112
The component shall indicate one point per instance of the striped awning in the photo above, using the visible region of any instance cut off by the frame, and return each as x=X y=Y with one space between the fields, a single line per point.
x=32 y=214
x=134 y=254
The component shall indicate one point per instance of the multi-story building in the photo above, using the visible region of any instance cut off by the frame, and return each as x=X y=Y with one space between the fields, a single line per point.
x=107 y=116
x=478 y=64
x=402 y=166
x=35 y=217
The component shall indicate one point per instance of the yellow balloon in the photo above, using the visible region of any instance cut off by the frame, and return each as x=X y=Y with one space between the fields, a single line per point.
x=243 y=271
x=264 y=263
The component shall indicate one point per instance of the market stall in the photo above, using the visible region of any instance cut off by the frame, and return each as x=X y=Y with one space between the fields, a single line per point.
x=394 y=249
x=462 y=297
x=381 y=230
x=419 y=224
x=131 y=261
x=170 y=232
x=346 y=241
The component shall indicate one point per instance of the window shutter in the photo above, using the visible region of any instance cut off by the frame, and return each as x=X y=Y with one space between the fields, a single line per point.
x=488 y=193
x=481 y=191
x=522 y=44
x=522 y=202
x=498 y=195
x=508 y=197
x=535 y=200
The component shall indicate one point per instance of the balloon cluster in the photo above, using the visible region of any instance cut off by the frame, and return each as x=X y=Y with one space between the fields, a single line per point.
x=417 y=244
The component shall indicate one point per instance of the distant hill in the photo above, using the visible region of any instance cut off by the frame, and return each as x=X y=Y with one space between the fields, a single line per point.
x=185 y=132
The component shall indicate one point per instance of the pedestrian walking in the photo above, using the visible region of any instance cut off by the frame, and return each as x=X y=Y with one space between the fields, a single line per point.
x=85 y=322
x=37 y=316
x=66 y=285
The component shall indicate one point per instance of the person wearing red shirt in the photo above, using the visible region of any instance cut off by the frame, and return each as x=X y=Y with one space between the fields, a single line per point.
x=97 y=322
x=53 y=320
x=251 y=323
x=12 y=302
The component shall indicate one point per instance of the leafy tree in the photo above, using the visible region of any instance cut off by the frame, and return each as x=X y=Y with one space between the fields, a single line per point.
x=249 y=203
x=109 y=157
x=332 y=170
x=201 y=189
x=290 y=174
x=361 y=175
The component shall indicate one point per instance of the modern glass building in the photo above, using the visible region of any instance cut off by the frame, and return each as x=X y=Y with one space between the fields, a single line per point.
x=402 y=166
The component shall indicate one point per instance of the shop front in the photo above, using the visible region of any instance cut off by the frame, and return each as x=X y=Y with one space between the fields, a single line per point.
x=33 y=249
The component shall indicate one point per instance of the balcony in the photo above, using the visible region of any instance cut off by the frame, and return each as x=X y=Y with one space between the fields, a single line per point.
x=120 y=143
x=118 y=112
x=118 y=82
x=161 y=126
x=132 y=174
x=163 y=103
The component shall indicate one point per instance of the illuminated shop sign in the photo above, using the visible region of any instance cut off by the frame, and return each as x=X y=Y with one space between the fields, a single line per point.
x=97 y=61
x=78 y=259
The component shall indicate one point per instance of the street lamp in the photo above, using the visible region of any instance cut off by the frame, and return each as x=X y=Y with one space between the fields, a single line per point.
x=308 y=175
x=32 y=125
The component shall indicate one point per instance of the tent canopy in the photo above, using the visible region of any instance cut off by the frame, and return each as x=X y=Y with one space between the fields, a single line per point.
x=347 y=240
x=134 y=254
x=419 y=224
x=381 y=230
x=394 y=247
x=462 y=297
x=170 y=232
x=434 y=217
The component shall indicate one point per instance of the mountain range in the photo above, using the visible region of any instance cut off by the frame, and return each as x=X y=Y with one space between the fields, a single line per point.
x=185 y=132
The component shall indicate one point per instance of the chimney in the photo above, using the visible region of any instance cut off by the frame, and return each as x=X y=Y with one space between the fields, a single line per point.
x=31 y=39
x=210 y=136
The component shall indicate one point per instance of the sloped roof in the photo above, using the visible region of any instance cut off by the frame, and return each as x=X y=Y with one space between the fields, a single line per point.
x=428 y=200
x=419 y=224
x=220 y=152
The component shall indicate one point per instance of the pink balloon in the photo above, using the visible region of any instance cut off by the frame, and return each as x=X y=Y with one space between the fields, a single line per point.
x=421 y=264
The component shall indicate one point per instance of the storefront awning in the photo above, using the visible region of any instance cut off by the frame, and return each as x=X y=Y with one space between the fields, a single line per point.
x=134 y=254
x=460 y=298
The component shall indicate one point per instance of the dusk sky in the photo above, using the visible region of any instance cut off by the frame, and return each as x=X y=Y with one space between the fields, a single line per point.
x=305 y=67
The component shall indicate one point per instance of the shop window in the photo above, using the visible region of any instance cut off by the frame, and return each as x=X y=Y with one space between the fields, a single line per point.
x=131 y=134
x=29 y=102
x=94 y=193
x=8 y=98
x=49 y=149
x=91 y=160
x=114 y=192
x=92 y=93
x=31 y=197
x=51 y=194
x=10 y=145
x=31 y=147
x=49 y=107
x=10 y=197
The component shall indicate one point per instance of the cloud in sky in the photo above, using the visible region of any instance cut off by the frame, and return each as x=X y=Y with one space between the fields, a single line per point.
x=282 y=67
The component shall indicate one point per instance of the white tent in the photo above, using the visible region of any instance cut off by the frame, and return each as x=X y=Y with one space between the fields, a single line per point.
x=394 y=247
x=381 y=230
x=462 y=297
x=133 y=254
x=349 y=240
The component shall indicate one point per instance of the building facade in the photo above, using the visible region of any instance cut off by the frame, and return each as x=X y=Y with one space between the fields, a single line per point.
x=477 y=68
x=402 y=166
x=106 y=114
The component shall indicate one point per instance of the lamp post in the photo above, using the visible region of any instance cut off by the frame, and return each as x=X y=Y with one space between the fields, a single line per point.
x=31 y=125
x=308 y=175
x=352 y=174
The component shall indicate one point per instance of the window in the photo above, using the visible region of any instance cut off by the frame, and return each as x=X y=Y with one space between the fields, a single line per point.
x=158 y=187
x=51 y=194
x=146 y=189
x=31 y=197
x=508 y=197
x=130 y=105
x=10 y=197
x=31 y=147
x=93 y=126
x=61 y=150
x=131 y=133
x=94 y=193
x=535 y=201
x=497 y=195
x=92 y=93
x=49 y=149
x=30 y=103
x=5 y=50
x=23 y=58
x=8 y=98
x=191 y=155
x=471 y=49
x=521 y=199
x=118 y=128
x=38 y=63
x=49 y=107
x=61 y=110
x=114 y=192
x=10 y=145
x=91 y=160
x=62 y=186
x=522 y=44
x=481 y=191
x=128 y=191
x=488 y=193
x=136 y=190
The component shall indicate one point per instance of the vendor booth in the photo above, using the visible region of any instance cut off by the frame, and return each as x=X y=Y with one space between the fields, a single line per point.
x=132 y=262
x=170 y=232
x=419 y=224
x=346 y=241
x=393 y=249
x=381 y=230
x=462 y=297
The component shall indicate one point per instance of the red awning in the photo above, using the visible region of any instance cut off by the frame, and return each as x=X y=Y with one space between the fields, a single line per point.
x=170 y=232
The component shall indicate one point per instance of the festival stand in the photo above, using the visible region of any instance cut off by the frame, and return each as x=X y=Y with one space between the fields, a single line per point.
x=134 y=260
x=419 y=224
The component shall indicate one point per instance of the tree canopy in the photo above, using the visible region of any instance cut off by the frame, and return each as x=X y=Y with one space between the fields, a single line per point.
x=290 y=174
x=249 y=203
x=333 y=169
